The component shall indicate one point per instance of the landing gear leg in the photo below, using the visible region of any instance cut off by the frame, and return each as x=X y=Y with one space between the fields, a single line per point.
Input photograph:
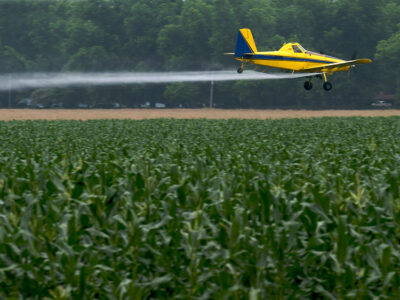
x=327 y=85
x=240 y=70
x=308 y=84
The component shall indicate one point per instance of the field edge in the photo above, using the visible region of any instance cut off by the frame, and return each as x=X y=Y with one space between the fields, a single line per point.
x=203 y=113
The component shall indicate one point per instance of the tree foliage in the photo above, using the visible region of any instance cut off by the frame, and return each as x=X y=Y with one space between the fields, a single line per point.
x=156 y=35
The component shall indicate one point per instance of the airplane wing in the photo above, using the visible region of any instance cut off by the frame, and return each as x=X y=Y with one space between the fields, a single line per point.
x=328 y=67
x=285 y=74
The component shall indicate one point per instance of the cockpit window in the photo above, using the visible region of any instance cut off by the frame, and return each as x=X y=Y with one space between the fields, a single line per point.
x=302 y=49
x=296 y=49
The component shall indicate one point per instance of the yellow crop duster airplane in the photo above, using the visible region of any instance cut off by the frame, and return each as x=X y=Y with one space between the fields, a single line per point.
x=293 y=57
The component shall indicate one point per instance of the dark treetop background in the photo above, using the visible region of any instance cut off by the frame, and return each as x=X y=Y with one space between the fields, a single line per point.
x=159 y=35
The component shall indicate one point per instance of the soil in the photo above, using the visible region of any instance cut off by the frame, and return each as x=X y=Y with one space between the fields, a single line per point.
x=138 y=114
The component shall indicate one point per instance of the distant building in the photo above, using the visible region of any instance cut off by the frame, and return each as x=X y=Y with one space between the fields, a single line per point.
x=146 y=105
x=160 y=105
x=384 y=97
x=381 y=103
x=383 y=100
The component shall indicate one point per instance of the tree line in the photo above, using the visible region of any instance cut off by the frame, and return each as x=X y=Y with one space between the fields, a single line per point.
x=174 y=35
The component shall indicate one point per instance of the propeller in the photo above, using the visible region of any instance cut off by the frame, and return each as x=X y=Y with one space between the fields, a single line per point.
x=354 y=55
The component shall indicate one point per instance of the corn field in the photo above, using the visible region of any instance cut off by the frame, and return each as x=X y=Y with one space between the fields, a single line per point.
x=200 y=209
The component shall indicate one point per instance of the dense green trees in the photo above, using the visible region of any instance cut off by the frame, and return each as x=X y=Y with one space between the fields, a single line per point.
x=146 y=35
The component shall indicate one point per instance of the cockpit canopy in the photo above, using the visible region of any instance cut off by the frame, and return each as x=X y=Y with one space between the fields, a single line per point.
x=293 y=48
x=297 y=48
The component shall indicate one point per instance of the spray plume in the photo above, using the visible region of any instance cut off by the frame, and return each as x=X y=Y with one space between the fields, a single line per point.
x=45 y=80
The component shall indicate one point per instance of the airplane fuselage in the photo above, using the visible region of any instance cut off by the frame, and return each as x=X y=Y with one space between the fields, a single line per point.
x=287 y=58
x=292 y=57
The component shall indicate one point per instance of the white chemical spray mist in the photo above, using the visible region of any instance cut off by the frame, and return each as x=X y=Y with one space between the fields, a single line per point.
x=20 y=81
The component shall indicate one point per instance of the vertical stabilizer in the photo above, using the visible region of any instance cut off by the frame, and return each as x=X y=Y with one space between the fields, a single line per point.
x=245 y=43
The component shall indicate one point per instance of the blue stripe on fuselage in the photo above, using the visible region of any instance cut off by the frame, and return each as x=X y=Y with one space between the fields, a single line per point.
x=276 y=57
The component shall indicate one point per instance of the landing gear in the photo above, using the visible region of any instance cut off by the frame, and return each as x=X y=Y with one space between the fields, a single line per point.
x=240 y=70
x=308 y=85
x=327 y=86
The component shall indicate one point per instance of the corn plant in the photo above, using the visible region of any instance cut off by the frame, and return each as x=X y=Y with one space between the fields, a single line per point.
x=200 y=209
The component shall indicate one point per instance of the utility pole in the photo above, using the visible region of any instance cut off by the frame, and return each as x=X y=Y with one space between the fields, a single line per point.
x=9 y=92
x=211 y=93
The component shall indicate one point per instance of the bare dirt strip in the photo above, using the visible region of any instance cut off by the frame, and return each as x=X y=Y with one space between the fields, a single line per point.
x=139 y=114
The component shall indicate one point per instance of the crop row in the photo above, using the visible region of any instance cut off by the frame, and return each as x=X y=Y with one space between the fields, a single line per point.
x=227 y=209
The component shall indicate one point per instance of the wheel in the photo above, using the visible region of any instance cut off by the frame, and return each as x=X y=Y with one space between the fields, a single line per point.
x=308 y=85
x=327 y=86
x=240 y=70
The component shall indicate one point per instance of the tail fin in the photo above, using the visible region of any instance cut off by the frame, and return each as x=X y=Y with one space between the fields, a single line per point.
x=245 y=43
